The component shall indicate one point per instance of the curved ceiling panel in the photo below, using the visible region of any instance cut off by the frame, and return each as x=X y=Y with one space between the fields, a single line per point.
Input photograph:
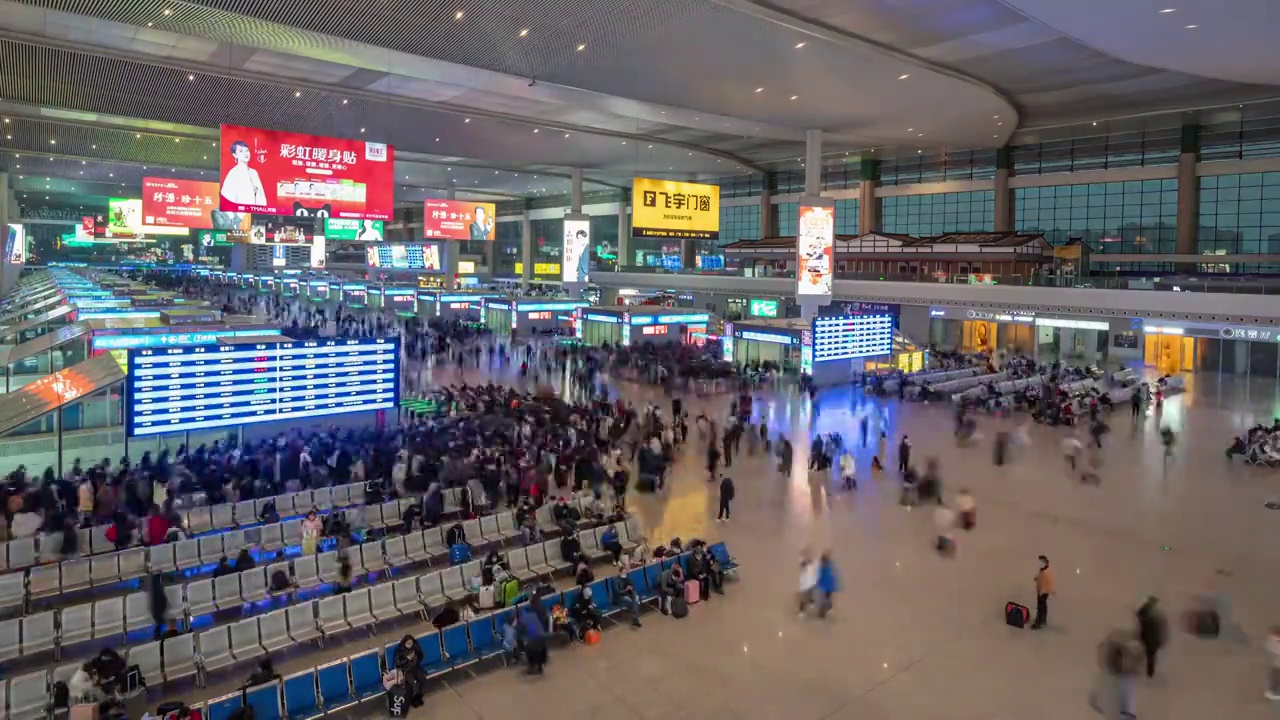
x=1227 y=41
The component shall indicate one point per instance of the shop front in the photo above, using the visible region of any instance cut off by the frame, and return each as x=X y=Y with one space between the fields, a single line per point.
x=289 y=287
x=659 y=325
x=399 y=300
x=776 y=343
x=983 y=331
x=1172 y=347
x=598 y=327
x=452 y=306
x=508 y=316
x=318 y=290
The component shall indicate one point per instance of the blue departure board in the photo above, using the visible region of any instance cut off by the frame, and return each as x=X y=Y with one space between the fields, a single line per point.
x=178 y=389
x=843 y=337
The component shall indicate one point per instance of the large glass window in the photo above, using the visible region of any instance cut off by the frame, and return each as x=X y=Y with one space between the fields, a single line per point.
x=1240 y=214
x=921 y=168
x=548 y=242
x=739 y=222
x=786 y=219
x=738 y=186
x=847 y=217
x=1138 y=216
x=973 y=211
x=604 y=242
x=506 y=249
x=1159 y=146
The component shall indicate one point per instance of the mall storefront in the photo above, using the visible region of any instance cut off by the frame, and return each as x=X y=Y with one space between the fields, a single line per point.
x=1079 y=340
x=1175 y=346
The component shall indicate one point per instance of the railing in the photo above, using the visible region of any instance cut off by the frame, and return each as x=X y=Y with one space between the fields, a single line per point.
x=1095 y=281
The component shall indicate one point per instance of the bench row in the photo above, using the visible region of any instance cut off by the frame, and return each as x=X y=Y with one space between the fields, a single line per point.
x=111 y=618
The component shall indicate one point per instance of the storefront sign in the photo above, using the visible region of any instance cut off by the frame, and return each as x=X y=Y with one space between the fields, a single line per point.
x=672 y=209
x=280 y=173
x=546 y=268
x=1253 y=333
x=654 y=330
x=1073 y=324
x=603 y=318
x=766 y=337
x=1128 y=341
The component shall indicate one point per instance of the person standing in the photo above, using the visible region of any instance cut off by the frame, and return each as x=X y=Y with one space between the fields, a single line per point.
x=1135 y=404
x=1153 y=630
x=312 y=527
x=726 y=497
x=784 y=456
x=904 y=454
x=847 y=471
x=1044 y=588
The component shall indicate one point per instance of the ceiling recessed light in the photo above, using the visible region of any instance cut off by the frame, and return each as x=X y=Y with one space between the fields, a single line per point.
x=52 y=141
x=995 y=117
x=759 y=89
x=95 y=147
x=177 y=139
x=697 y=118
x=793 y=97
x=799 y=45
x=467 y=120
x=297 y=93
x=150 y=24
x=191 y=77
x=919 y=134
x=919 y=151
x=361 y=129
x=1095 y=124
x=344 y=101
x=457 y=15
x=1192 y=27
x=82 y=162
x=167 y=11
x=524 y=32
x=904 y=76
x=581 y=47
x=650 y=146
x=566 y=134
x=1168 y=10
x=535 y=129
x=911 y=129
x=624 y=142
x=1000 y=123
x=111 y=174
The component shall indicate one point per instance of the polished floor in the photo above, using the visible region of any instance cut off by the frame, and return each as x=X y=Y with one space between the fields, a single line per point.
x=914 y=635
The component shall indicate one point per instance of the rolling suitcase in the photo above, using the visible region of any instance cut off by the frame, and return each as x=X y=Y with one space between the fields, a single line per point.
x=1016 y=615
x=692 y=592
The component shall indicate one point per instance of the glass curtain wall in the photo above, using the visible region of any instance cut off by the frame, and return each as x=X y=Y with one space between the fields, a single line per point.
x=921 y=215
x=1137 y=216
x=548 y=243
x=1240 y=214
x=506 y=249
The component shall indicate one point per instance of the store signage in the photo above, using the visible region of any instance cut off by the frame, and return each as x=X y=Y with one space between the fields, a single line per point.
x=682 y=319
x=459 y=306
x=279 y=173
x=1073 y=324
x=560 y=306
x=1020 y=316
x=766 y=337
x=171 y=202
x=458 y=220
x=856 y=307
x=672 y=209
x=603 y=318
x=546 y=269
x=466 y=267
x=540 y=315
x=654 y=330
x=1255 y=333
x=1127 y=341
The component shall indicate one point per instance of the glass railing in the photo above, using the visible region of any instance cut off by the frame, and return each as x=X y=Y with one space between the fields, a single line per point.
x=1242 y=285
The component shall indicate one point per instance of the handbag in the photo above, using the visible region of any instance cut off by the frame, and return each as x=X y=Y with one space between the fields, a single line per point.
x=591 y=637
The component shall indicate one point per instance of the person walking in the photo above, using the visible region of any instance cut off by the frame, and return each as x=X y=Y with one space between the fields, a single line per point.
x=1044 y=588
x=784 y=456
x=1153 y=630
x=1273 y=664
x=726 y=497
x=848 y=468
x=828 y=584
x=904 y=454
x=808 y=582
x=1135 y=405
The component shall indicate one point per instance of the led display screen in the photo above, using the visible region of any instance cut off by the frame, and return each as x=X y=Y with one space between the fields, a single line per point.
x=852 y=336
x=354 y=230
x=400 y=256
x=172 y=202
x=576 y=267
x=180 y=389
x=815 y=252
x=459 y=220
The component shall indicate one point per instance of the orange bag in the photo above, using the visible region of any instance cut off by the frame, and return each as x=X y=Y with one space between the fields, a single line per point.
x=591 y=637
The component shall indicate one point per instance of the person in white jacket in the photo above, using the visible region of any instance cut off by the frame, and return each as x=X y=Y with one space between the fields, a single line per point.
x=847 y=468
x=808 y=581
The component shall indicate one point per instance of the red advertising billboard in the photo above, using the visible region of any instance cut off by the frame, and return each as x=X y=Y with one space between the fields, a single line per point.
x=168 y=202
x=459 y=220
x=278 y=173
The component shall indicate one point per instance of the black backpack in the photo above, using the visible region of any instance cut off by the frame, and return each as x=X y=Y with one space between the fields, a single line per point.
x=455 y=536
x=280 y=581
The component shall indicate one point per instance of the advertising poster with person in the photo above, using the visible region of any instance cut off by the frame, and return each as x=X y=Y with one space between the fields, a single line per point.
x=15 y=247
x=170 y=202
x=575 y=266
x=814 y=242
x=278 y=173
x=458 y=220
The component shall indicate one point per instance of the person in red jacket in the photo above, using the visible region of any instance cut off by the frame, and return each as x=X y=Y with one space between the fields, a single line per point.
x=157 y=526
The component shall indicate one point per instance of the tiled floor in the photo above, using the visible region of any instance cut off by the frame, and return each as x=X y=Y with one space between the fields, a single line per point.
x=914 y=635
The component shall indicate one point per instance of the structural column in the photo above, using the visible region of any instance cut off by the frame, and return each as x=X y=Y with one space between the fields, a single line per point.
x=868 y=203
x=1003 y=195
x=1188 y=192
x=812 y=163
x=8 y=276
x=766 y=208
x=526 y=249
x=624 y=231
x=575 y=181
x=451 y=250
x=810 y=240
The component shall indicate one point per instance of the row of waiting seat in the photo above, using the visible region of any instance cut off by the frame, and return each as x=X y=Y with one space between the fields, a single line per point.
x=187 y=556
x=338 y=685
x=113 y=618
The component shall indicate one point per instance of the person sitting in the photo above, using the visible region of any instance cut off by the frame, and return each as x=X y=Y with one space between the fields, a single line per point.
x=582 y=615
x=224 y=568
x=245 y=561
x=625 y=594
x=494 y=569
x=582 y=574
x=562 y=517
x=571 y=548
x=671 y=585
x=703 y=568
x=609 y=541
x=83 y=686
x=412 y=516
x=265 y=673
x=408 y=660
x=1237 y=447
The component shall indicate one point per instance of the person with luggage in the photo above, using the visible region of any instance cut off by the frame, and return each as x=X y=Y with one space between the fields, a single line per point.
x=582 y=616
x=1045 y=587
x=700 y=571
x=1114 y=694
x=726 y=497
x=624 y=592
x=1153 y=631
x=671 y=586
x=408 y=660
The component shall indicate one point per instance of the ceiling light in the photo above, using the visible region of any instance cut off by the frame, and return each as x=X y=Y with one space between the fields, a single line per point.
x=759 y=89
x=149 y=24
x=697 y=118
x=167 y=11
x=111 y=174
x=191 y=77
x=52 y=141
x=361 y=129
x=1192 y=27
x=793 y=97
x=651 y=146
x=799 y=45
x=457 y=15
x=467 y=120
x=95 y=147
x=1095 y=124
x=919 y=134
x=566 y=134
x=624 y=142
x=82 y=162
x=297 y=93
x=177 y=140
x=524 y=32
x=8 y=137
x=919 y=151
x=904 y=76
x=1167 y=10
x=582 y=47
x=344 y=101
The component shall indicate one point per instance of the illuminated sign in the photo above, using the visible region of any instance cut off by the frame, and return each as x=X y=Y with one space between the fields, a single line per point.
x=815 y=254
x=672 y=209
x=726 y=343
x=173 y=202
x=576 y=252
x=855 y=336
x=459 y=306
x=466 y=267
x=556 y=306
x=763 y=308
x=353 y=230
x=129 y=342
x=654 y=330
x=683 y=319
x=603 y=318
x=459 y=220
x=766 y=337
x=400 y=256
x=542 y=315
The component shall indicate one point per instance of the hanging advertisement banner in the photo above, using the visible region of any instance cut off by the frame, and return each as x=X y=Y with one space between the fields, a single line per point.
x=459 y=220
x=575 y=266
x=353 y=230
x=15 y=247
x=815 y=238
x=279 y=173
x=672 y=209
x=170 y=202
x=318 y=251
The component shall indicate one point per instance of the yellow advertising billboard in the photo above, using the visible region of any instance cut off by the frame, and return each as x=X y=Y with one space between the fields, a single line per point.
x=674 y=209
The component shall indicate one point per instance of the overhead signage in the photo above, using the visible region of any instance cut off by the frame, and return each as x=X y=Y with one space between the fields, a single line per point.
x=319 y=250
x=279 y=231
x=815 y=240
x=151 y=340
x=402 y=256
x=603 y=318
x=763 y=308
x=576 y=252
x=766 y=337
x=172 y=202
x=459 y=220
x=353 y=230
x=555 y=306
x=857 y=307
x=854 y=336
x=673 y=209
x=279 y=173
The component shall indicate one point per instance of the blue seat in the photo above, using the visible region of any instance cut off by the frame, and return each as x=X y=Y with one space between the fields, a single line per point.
x=433 y=661
x=570 y=596
x=389 y=654
x=224 y=707
x=640 y=581
x=486 y=640
x=366 y=675
x=265 y=701
x=601 y=598
x=300 y=699
x=653 y=578
x=551 y=600
x=721 y=553
x=457 y=649
x=335 y=686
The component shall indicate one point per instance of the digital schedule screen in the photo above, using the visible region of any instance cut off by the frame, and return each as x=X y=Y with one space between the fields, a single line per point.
x=852 y=336
x=400 y=302
x=179 y=389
